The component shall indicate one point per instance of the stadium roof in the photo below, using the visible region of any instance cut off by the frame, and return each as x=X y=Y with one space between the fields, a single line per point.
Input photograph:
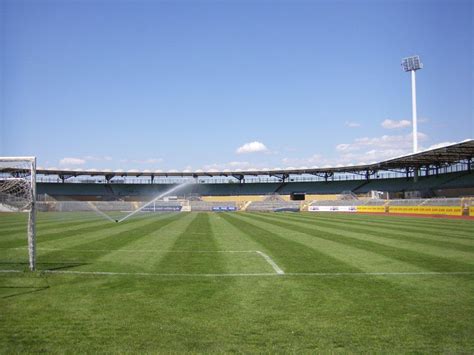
x=442 y=156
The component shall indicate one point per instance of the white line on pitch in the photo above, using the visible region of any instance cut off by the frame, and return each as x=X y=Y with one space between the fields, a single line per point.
x=271 y=262
x=152 y=274
x=421 y=273
x=140 y=250
x=314 y=274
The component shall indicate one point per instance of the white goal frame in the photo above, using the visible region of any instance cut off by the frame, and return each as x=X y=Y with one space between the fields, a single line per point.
x=31 y=163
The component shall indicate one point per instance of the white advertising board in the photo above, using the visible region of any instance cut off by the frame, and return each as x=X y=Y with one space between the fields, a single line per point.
x=332 y=209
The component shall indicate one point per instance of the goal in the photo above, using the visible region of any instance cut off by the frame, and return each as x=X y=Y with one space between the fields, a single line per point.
x=18 y=194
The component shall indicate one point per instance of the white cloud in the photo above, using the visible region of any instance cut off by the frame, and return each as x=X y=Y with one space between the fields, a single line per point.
x=72 y=161
x=352 y=124
x=439 y=145
x=233 y=165
x=344 y=147
x=84 y=160
x=392 y=124
x=252 y=147
x=365 y=149
x=377 y=148
x=94 y=158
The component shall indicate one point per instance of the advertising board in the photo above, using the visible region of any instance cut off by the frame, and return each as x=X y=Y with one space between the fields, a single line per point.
x=332 y=209
x=224 y=208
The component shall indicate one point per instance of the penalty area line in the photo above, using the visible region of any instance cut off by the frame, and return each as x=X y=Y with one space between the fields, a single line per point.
x=271 y=262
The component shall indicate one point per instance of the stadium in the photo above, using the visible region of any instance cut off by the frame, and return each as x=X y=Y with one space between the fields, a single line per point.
x=236 y=177
x=187 y=243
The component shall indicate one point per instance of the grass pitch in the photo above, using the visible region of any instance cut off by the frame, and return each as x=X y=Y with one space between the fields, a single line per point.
x=209 y=282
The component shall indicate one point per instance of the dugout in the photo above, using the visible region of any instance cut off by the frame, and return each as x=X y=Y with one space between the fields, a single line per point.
x=298 y=196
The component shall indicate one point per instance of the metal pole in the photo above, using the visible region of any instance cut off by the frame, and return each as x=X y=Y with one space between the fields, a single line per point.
x=413 y=97
x=32 y=219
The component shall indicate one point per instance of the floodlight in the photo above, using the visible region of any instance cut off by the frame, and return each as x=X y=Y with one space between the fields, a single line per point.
x=411 y=63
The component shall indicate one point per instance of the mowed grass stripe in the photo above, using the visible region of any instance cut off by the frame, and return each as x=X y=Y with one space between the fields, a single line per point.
x=456 y=228
x=117 y=233
x=343 y=228
x=339 y=232
x=10 y=220
x=81 y=218
x=143 y=254
x=395 y=233
x=53 y=233
x=377 y=289
x=163 y=239
x=139 y=256
x=106 y=242
x=229 y=237
x=198 y=236
x=408 y=242
x=91 y=233
x=420 y=220
x=366 y=261
x=16 y=219
x=440 y=230
x=44 y=220
x=290 y=255
x=370 y=314
x=18 y=258
x=463 y=227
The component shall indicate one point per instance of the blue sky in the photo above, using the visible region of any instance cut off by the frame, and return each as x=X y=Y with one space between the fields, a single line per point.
x=189 y=85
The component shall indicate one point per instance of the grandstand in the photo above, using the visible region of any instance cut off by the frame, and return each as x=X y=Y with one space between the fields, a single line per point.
x=436 y=173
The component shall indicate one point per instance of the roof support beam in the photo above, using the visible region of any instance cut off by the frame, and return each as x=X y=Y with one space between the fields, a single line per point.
x=282 y=177
x=239 y=177
x=109 y=177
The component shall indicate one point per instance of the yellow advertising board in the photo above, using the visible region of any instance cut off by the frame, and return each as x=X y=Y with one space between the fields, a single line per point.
x=438 y=210
x=471 y=211
x=371 y=209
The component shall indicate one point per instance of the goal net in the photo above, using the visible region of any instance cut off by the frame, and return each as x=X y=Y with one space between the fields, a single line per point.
x=18 y=194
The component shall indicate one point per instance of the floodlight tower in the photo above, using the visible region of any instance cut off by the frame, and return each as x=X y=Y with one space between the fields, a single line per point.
x=413 y=64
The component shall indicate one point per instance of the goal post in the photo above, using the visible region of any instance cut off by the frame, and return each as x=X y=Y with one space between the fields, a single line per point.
x=18 y=194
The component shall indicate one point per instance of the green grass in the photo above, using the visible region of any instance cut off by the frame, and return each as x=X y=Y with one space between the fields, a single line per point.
x=175 y=287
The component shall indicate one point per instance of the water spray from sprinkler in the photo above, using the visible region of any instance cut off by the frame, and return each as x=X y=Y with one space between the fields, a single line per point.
x=155 y=199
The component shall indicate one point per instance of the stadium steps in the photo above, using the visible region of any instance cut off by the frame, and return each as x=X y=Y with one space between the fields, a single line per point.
x=246 y=205
x=461 y=180
x=365 y=182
